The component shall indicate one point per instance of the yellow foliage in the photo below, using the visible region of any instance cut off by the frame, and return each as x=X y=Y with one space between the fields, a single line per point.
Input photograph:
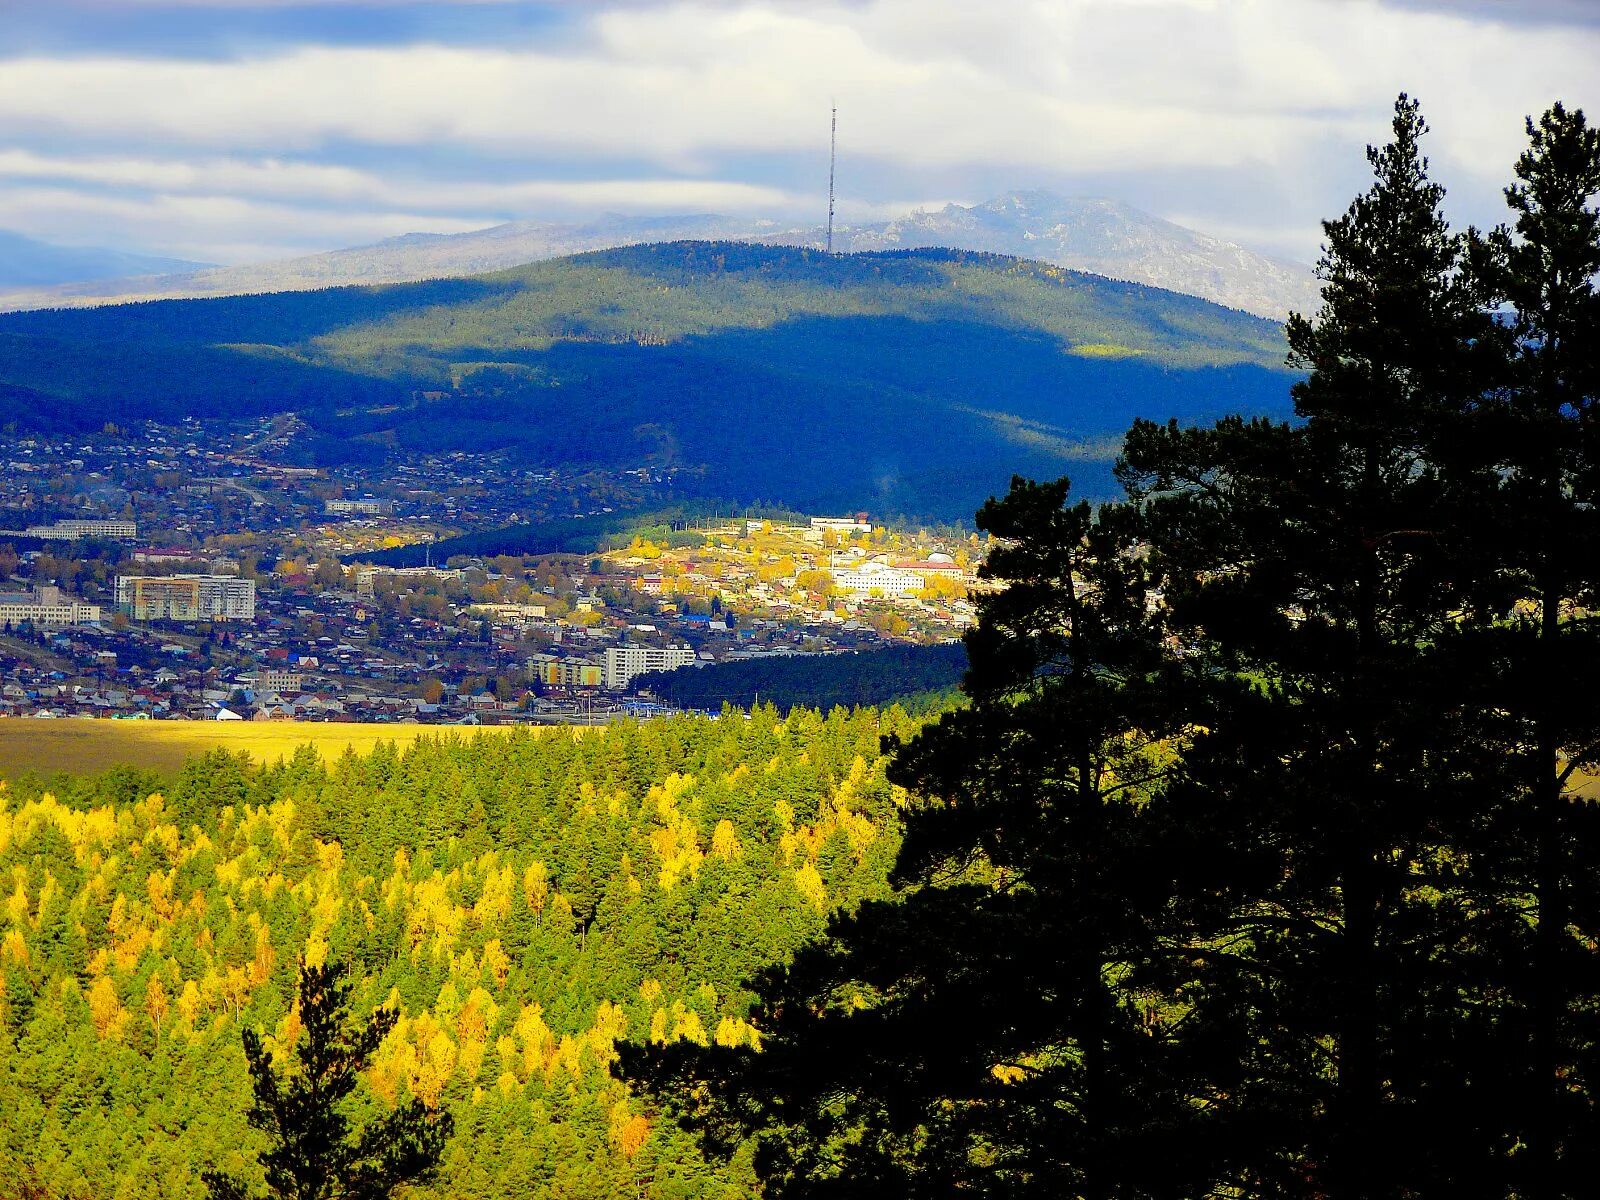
x=433 y=1073
x=476 y=1017
x=158 y=887
x=569 y=1054
x=633 y=1136
x=618 y=1119
x=471 y=1059
x=687 y=1026
x=811 y=887
x=725 y=841
x=610 y=1025
x=156 y=1001
x=14 y=948
x=536 y=886
x=535 y=1036
x=316 y=950
x=495 y=962
x=494 y=902
x=189 y=1003
x=105 y=1009
x=261 y=965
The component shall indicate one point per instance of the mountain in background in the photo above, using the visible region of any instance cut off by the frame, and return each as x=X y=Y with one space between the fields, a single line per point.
x=28 y=263
x=912 y=382
x=1101 y=237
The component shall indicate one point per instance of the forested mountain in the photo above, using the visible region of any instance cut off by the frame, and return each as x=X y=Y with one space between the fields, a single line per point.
x=776 y=373
x=525 y=900
x=28 y=263
x=1082 y=233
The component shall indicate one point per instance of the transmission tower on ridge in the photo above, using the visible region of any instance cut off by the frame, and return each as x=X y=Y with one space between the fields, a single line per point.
x=833 y=153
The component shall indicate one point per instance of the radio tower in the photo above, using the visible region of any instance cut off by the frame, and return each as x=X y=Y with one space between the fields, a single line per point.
x=833 y=152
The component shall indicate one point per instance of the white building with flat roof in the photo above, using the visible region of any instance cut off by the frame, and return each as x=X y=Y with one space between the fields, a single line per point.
x=46 y=606
x=878 y=578
x=855 y=524
x=66 y=531
x=624 y=662
x=366 y=507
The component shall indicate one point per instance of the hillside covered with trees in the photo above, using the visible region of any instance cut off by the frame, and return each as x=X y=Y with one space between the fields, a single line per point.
x=869 y=677
x=525 y=901
x=776 y=373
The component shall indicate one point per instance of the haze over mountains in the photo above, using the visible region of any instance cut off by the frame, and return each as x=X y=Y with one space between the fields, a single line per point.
x=26 y=263
x=1097 y=236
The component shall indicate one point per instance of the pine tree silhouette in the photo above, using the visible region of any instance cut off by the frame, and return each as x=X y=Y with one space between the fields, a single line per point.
x=314 y=1154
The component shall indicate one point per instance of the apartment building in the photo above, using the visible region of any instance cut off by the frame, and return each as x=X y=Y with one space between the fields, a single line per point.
x=624 y=662
x=186 y=597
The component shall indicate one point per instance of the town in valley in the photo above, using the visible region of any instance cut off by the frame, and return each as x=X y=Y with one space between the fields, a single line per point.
x=190 y=572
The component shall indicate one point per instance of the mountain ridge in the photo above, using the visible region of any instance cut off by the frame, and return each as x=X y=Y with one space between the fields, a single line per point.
x=913 y=381
x=1097 y=236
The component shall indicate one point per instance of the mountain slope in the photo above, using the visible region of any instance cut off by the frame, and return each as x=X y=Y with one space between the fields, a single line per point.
x=912 y=382
x=1098 y=236
x=28 y=263
x=1103 y=237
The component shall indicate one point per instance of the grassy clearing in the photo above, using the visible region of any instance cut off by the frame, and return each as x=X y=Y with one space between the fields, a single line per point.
x=84 y=747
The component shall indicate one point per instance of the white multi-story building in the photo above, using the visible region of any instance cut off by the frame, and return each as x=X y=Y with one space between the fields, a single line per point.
x=186 y=597
x=855 y=524
x=624 y=662
x=510 y=614
x=46 y=606
x=879 y=578
x=66 y=531
x=364 y=507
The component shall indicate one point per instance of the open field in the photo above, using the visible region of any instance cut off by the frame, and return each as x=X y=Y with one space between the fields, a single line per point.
x=48 y=747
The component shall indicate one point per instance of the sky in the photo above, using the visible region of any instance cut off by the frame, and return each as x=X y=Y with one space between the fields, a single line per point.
x=243 y=130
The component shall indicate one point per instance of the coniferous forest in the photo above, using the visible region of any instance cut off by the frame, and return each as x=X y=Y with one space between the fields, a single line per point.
x=522 y=902
x=1259 y=861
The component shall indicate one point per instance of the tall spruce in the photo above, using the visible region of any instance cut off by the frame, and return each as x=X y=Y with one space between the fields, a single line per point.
x=1541 y=272
x=998 y=1029
x=1323 y=562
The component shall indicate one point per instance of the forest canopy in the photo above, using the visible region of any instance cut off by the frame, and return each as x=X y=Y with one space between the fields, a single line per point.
x=522 y=901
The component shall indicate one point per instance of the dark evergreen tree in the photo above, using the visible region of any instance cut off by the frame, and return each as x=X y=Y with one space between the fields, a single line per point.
x=1329 y=564
x=313 y=1153
x=997 y=1031
x=1545 y=455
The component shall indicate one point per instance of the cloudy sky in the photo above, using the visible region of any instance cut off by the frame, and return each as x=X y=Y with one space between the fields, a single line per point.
x=235 y=130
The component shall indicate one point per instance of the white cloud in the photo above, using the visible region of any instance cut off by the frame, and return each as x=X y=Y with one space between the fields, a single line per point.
x=331 y=184
x=708 y=95
x=220 y=228
x=1111 y=83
